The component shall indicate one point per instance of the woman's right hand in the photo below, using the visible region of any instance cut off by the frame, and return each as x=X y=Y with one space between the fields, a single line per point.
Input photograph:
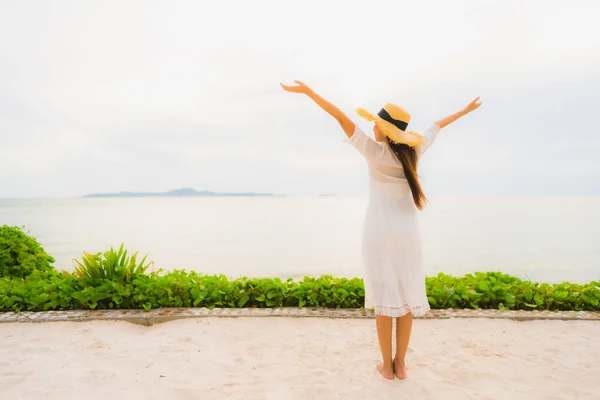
x=472 y=106
x=299 y=87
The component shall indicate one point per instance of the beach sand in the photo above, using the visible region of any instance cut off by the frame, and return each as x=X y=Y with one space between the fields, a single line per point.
x=297 y=358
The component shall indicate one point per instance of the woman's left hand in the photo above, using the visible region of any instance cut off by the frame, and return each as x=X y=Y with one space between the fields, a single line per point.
x=298 y=88
x=472 y=106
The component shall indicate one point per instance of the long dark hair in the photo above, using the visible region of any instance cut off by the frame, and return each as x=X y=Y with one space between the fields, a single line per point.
x=408 y=157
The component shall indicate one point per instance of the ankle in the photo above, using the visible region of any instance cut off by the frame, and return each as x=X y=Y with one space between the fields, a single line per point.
x=399 y=361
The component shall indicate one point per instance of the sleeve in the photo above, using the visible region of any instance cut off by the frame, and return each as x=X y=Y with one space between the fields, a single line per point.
x=364 y=144
x=429 y=137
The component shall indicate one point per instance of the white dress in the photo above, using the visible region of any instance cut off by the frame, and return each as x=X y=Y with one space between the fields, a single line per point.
x=394 y=276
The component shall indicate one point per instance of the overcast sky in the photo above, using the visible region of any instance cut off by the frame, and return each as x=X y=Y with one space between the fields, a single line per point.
x=155 y=95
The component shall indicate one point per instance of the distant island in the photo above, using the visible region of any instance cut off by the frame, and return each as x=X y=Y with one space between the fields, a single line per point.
x=185 y=192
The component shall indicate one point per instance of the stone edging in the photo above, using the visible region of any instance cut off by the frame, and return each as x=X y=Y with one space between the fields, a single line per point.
x=151 y=317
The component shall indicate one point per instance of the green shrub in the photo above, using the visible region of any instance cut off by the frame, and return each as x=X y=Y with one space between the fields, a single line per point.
x=112 y=265
x=495 y=290
x=113 y=280
x=21 y=254
x=60 y=290
x=492 y=290
x=40 y=291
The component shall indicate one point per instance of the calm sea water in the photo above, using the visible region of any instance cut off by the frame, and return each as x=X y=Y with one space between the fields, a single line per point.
x=549 y=239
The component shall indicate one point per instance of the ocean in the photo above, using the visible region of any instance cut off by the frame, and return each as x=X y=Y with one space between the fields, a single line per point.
x=550 y=239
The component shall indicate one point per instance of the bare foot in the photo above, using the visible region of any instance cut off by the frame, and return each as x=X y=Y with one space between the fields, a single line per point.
x=387 y=373
x=399 y=370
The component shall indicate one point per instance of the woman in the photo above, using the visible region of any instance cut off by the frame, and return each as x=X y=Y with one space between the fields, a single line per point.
x=394 y=275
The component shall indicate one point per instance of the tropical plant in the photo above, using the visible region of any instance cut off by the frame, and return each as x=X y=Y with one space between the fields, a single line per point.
x=111 y=265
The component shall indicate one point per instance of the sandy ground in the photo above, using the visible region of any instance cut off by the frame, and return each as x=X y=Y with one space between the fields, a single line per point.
x=297 y=358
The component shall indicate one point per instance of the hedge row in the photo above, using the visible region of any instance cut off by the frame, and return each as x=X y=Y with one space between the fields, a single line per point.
x=115 y=280
x=42 y=291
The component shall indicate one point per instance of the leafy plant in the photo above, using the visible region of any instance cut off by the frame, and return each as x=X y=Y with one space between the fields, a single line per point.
x=111 y=265
x=21 y=254
x=114 y=280
x=493 y=290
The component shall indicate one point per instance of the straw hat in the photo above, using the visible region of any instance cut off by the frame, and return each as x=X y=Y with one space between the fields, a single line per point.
x=393 y=121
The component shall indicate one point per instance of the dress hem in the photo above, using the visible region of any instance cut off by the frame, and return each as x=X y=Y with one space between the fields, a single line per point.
x=397 y=312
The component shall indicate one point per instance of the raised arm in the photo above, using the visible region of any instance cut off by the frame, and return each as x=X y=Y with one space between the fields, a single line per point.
x=430 y=135
x=345 y=122
x=451 y=118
